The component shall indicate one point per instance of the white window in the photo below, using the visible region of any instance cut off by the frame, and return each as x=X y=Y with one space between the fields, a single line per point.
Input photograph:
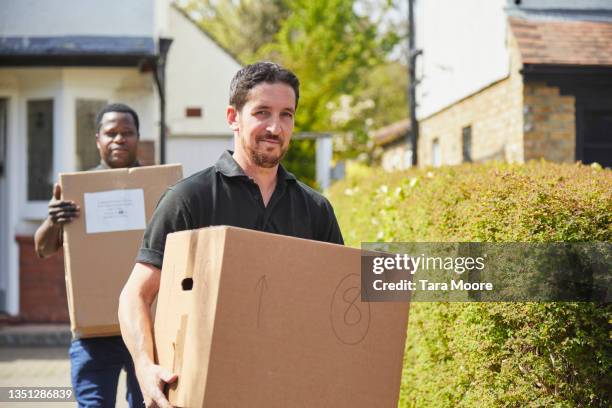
x=40 y=149
x=436 y=155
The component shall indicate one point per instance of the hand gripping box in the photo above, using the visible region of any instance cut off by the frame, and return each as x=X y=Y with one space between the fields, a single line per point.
x=252 y=319
x=100 y=246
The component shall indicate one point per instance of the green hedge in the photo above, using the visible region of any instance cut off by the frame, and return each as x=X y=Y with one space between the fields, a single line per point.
x=493 y=354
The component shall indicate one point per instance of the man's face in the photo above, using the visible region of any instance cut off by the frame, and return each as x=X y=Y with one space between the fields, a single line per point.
x=117 y=139
x=265 y=123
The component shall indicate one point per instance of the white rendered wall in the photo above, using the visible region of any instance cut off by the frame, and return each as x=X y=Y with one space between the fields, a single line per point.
x=198 y=74
x=47 y=18
x=197 y=153
x=464 y=50
x=161 y=18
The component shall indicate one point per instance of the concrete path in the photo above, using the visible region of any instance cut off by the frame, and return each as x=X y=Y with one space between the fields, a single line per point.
x=39 y=363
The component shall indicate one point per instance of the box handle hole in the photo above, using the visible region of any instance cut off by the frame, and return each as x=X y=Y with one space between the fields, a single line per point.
x=187 y=283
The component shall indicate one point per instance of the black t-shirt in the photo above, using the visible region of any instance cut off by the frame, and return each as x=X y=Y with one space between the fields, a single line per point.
x=224 y=195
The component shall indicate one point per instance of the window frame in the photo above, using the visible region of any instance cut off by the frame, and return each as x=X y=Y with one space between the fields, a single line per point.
x=467 y=130
x=35 y=210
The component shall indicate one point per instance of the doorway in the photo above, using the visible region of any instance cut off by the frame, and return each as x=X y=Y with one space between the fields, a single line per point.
x=594 y=130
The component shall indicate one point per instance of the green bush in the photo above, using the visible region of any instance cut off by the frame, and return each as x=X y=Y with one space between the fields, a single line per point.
x=301 y=161
x=493 y=354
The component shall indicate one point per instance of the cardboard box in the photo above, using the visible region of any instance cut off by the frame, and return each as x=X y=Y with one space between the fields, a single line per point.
x=251 y=319
x=100 y=246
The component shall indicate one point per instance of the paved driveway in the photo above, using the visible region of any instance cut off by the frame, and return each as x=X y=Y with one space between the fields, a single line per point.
x=41 y=367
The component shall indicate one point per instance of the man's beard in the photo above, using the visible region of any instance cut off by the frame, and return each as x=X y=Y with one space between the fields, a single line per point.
x=261 y=158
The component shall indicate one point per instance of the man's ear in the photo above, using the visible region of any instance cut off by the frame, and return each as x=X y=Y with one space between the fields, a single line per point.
x=232 y=117
x=98 y=141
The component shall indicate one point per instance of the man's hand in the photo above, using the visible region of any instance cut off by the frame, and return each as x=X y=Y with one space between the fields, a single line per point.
x=61 y=211
x=48 y=237
x=152 y=379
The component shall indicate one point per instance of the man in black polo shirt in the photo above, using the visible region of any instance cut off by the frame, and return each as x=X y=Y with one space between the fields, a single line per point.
x=246 y=188
x=95 y=363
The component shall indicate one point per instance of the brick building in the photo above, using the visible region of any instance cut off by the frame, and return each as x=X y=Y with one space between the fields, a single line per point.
x=514 y=81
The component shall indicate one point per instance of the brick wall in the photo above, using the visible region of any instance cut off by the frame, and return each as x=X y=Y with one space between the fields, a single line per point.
x=42 y=288
x=146 y=152
x=511 y=120
x=495 y=115
x=550 y=124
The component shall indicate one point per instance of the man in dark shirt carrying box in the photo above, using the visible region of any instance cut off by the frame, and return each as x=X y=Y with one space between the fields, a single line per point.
x=95 y=363
x=246 y=188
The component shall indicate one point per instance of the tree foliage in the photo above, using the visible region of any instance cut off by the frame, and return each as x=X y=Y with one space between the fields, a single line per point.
x=331 y=49
x=241 y=26
x=342 y=51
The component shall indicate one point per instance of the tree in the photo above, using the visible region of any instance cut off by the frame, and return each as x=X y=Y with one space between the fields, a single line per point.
x=331 y=48
x=342 y=52
x=241 y=26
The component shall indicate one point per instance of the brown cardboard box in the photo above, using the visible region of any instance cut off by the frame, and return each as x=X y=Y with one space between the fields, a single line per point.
x=251 y=319
x=98 y=263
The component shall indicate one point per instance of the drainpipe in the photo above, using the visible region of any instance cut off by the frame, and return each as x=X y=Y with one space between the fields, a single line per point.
x=159 y=73
x=413 y=53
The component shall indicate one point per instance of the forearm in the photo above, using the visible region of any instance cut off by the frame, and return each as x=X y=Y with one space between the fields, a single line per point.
x=47 y=239
x=136 y=329
x=135 y=318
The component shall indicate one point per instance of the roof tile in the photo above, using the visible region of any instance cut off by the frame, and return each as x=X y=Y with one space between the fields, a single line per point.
x=563 y=42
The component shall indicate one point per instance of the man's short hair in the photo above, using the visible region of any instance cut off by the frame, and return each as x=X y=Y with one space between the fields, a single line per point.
x=252 y=75
x=117 y=107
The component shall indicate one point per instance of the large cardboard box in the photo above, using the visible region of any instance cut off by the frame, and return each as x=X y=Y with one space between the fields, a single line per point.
x=251 y=319
x=100 y=246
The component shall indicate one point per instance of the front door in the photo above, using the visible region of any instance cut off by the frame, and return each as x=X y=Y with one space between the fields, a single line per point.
x=594 y=130
x=3 y=205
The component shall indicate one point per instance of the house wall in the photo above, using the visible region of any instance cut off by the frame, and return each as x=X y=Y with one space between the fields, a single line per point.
x=44 y=18
x=464 y=46
x=495 y=115
x=550 y=123
x=197 y=153
x=199 y=73
x=396 y=157
x=42 y=285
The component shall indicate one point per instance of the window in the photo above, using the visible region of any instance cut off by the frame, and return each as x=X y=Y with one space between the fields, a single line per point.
x=40 y=149
x=466 y=133
x=193 y=112
x=436 y=156
x=87 y=155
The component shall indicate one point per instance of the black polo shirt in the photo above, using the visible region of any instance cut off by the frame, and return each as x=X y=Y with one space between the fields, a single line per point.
x=224 y=195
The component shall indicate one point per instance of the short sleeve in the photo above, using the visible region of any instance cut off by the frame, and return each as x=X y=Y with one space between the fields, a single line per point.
x=329 y=229
x=170 y=215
